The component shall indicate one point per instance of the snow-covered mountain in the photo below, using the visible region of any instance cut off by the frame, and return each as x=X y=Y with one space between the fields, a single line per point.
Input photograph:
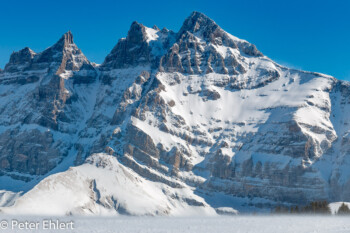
x=170 y=123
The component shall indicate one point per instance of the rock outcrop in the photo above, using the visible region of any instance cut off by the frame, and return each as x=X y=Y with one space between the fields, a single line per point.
x=38 y=104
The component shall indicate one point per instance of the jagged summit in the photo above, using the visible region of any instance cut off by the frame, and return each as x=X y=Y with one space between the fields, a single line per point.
x=130 y=51
x=137 y=33
x=64 y=45
x=205 y=28
x=68 y=37
x=65 y=41
x=62 y=58
x=20 y=58
x=151 y=46
x=200 y=46
x=155 y=27
x=197 y=22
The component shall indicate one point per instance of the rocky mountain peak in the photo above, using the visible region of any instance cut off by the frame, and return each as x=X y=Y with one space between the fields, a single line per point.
x=203 y=47
x=137 y=33
x=201 y=26
x=19 y=58
x=130 y=51
x=26 y=53
x=199 y=23
x=68 y=37
x=65 y=41
x=64 y=53
x=155 y=27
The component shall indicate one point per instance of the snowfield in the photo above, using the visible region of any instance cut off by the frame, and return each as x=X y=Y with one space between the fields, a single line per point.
x=103 y=186
x=241 y=224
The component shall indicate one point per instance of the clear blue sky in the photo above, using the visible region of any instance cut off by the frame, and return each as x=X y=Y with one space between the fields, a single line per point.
x=310 y=35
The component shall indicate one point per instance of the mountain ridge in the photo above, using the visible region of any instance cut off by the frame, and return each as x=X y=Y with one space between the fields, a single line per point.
x=198 y=112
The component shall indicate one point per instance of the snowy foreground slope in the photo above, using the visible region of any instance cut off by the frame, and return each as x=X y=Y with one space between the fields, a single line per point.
x=197 y=121
x=241 y=224
x=102 y=186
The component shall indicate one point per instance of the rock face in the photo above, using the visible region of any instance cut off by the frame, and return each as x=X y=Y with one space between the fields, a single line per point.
x=198 y=109
x=203 y=47
x=41 y=108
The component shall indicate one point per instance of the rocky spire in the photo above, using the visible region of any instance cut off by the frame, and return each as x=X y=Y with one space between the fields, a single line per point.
x=64 y=42
x=133 y=50
x=68 y=37
x=137 y=33
x=65 y=54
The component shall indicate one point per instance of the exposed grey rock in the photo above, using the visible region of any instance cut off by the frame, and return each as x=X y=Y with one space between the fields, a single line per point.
x=141 y=140
x=189 y=55
x=31 y=152
x=20 y=60
x=130 y=51
x=210 y=94
x=37 y=95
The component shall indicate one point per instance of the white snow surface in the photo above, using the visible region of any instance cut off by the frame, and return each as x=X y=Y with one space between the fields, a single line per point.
x=335 y=206
x=151 y=34
x=235 y=224
x=103 y=186
x=8 y=198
